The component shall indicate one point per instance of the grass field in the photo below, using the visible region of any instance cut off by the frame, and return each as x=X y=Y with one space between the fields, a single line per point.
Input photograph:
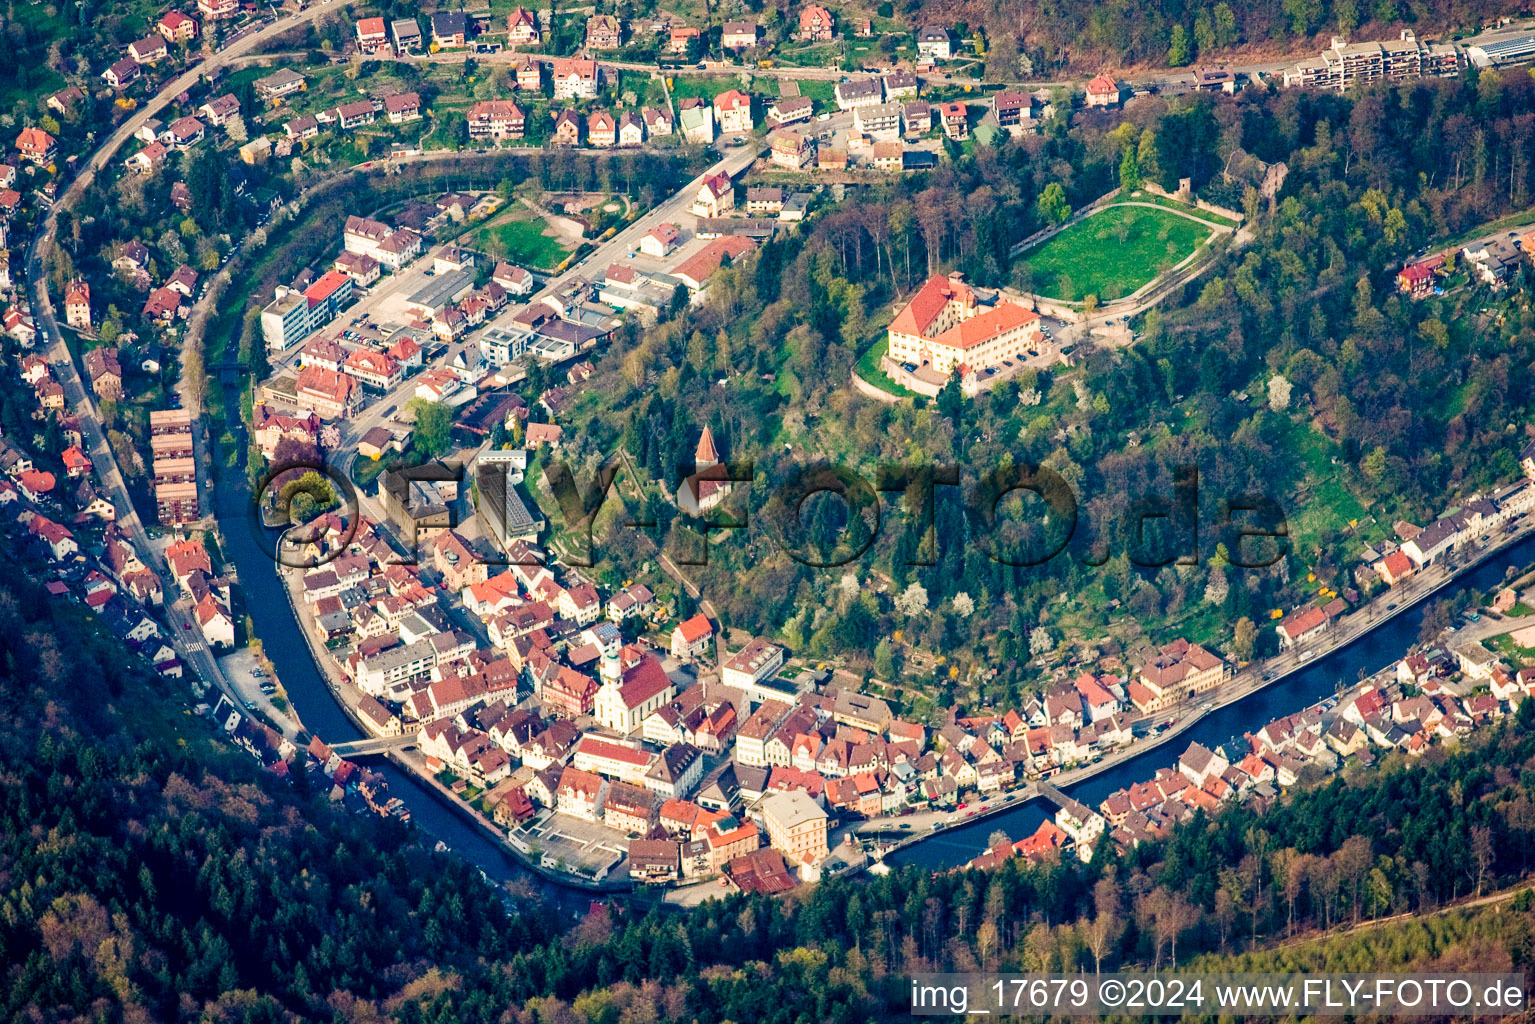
x=1111 y=253
x=520 y=237
x=869 y=369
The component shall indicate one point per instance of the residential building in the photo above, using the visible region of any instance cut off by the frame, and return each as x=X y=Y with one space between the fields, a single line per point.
x=575 y=79
x=692 y=638
x=796 y=826
x=177 y=27
x=1343 y=63
x=77 y=304
x=791 y=109
x=934 y=43
x=1179 y=671
x=660 y=240
x=733 y=108
x=36 y=145
x=603 y=32
x=791 y=149
x=757 y=661
x=522 y=28
x=1102 y=91
x=815 y=24
x=880 y=121
x=450 y=29
x=403 y=107
x=496 y=119
x=407 y=35
x=858 y=92
x=601 y=129
x=149 y=50
x=372 y=34
x=716 y=195
x=955 y=119
x=738 y=35
x=279 y=84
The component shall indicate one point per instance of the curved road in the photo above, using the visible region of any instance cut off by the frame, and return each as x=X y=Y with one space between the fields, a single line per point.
x=187 y=637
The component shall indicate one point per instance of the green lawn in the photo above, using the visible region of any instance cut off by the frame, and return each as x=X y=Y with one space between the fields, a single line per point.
x=1173 y=204
x=1112 y=253
x=869 y=369
x=521 y=238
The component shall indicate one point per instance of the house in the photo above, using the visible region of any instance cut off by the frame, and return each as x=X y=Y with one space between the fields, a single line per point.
x=407 y=35
x=791 y=150
x=580 y=793
x=692 y=638
x=954 y=118
x=680 y=38
x=631 y=129
x=104 y=372
x=176 y=27
x=218 y=9
x=63 y=101
x=1102 y=91
x=372 y=34
x=36 y=145
x=355 y=114
x=934 y=43
x=1177 y=671
x=575 y=79
x=889 y=157
x=660 y=240
x=880 y=121
x=899 y=85
x=1304 y=625
x=496 y=119
x=716 y=195
x=788 y=110
x=219 y=109
x=738 y=35
x=815 y=25
x=764 y=199
x=567 y=129
x=122 y=73
x=697 y=119
x=603 y=32
x=516 y=280
x=449 y=29
x=601 y=129
x=522 y=28
x=149 y=50
x=77 y=304
x=657 y=122
x=279 y=84
x=858 y=92
x=733 y=108
x=403 y=107
x=528 y=74
x=1419 y=279
x=186 y=132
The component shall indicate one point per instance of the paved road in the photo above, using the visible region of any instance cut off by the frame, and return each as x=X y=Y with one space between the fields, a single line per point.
x=187 y=636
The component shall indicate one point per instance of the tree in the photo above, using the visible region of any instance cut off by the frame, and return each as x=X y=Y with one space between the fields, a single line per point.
x=1130 y=169
x=884 y=660
x=1052 y=205
x=1244 y=639
x=1279 y=392
x=1178 y=51
x=951 y=399
x=434 y=427
x=912 y=600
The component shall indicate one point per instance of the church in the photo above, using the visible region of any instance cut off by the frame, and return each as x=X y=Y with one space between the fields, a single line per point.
x=707 y=487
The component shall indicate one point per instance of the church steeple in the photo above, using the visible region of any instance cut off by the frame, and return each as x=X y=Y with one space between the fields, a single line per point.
x=707 y=454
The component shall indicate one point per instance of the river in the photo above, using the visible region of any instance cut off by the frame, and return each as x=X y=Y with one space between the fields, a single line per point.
x=1368 y=653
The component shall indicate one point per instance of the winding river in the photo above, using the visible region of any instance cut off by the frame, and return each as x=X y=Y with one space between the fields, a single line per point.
x=1319 y=679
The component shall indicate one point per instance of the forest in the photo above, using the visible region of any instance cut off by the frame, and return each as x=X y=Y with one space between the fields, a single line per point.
x=1389 y=407
x=148 y=873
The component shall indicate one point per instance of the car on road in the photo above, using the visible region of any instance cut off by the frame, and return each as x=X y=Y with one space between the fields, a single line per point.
x=969 y=814
x=961 y=807
x=823 y=117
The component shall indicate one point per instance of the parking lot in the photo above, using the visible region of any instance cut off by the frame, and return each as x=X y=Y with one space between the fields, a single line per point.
x=573 y=844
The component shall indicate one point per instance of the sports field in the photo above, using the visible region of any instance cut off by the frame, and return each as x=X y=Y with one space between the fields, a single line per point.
x=522 y=238
x=1111 y=253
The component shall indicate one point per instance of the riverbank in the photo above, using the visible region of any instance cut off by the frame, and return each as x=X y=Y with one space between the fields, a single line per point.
x=346 y=696
x=1364 y=641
